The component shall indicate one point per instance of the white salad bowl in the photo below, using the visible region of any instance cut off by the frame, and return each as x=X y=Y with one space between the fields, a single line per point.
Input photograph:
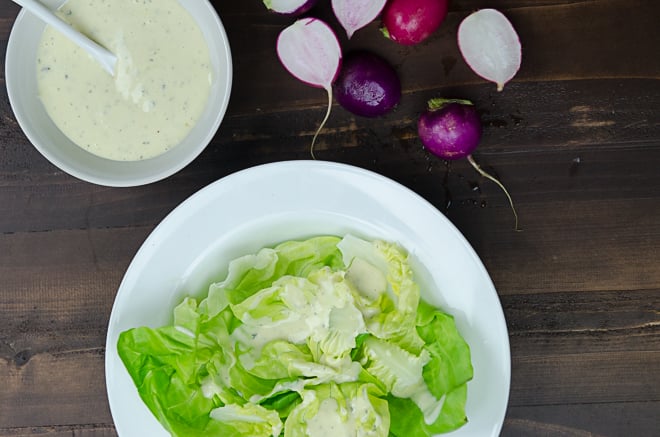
x=21 y=81
x=268 y=204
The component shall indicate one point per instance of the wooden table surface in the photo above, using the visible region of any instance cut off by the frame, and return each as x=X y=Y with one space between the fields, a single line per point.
x=575 y=138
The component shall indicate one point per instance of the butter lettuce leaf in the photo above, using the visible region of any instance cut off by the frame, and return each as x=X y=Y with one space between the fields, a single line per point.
x=251 y=273
x=153 y=358
x=326 y=332
x=386 y=291
x=450 y=365
x=249 y=419
x=340 y=409
x=401 y=372
x=410 y=419
x=446 y=375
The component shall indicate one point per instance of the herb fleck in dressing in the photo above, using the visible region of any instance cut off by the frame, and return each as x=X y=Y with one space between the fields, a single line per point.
x=161 y=84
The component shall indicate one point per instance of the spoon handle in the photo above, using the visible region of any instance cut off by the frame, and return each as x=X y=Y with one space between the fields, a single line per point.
x=101 y=54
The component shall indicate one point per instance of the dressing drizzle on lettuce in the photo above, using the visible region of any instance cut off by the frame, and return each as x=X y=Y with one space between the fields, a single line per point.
x=322 y=337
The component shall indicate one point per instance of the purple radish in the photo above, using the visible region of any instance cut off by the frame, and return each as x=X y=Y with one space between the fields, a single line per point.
x=355 y=14
x=410 y=22
x=310 y=51
x=289 y=7
x=367 y=85
x=490 y=46
x=451 y=129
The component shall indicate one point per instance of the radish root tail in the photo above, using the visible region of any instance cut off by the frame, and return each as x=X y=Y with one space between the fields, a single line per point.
x=483 y=173
x=327 y=115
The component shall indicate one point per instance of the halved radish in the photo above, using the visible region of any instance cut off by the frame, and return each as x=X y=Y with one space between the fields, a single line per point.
x=310 y=51
x=490 y=46
x=355 y=14
x=289 y=7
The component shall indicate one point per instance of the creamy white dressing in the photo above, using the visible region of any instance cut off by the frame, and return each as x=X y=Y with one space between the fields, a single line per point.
x=368 y=279
x=249 y=414
x=428 y=404
x=332 y=419
x=162 y=81
x=210 y=387
x=328 y=421
x=185 y=331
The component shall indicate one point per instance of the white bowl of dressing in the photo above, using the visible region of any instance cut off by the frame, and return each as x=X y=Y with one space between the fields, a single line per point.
x=26 y=101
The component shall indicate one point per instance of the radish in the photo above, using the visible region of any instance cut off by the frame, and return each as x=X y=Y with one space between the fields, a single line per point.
x=355 y=14
x=451 y=129
x=367 y=85
x=490 y=46
x=289 y=7
x=410 y=22
x=310 y=51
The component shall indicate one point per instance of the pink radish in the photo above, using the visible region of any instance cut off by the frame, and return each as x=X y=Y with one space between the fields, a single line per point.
x=451 y=129
x=289 y=7
x=355 y=14
x=490 y=46
x=410 y=22
x=310 y=51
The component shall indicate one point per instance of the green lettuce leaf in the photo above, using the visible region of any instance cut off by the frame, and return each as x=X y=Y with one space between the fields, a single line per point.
x=340 y=409
x=386 y=291
x=446 y=375
x=249 y=419
x=410 y=419
x=251 y=273
x=283 y=403
x=280 y=359
x=152 y=358
x=317 y=311
x=401 y=373
x=450 y=365
x=308 y=334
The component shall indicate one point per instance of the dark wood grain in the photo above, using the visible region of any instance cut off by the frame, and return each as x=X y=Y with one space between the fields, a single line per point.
x=575 y=138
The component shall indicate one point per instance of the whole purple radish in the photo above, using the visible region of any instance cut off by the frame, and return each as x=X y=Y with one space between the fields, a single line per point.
x=310 y=51
x=367 y=85
x=291 y=8
x=451 y=129
x=410 y=22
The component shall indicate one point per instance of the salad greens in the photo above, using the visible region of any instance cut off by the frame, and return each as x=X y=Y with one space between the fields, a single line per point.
x=326 y=336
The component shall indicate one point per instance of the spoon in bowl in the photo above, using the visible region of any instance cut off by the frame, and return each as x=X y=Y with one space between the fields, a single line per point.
x=103 y=56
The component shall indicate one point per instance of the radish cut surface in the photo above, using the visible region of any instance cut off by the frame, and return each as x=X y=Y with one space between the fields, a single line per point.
x=355 y=14
x=310 y=51
x=490 y=46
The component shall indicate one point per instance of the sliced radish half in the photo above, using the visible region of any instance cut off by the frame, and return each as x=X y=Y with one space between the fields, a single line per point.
x=490 y=46
x=310 y=51
x=355 y=14
x=289 y=7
